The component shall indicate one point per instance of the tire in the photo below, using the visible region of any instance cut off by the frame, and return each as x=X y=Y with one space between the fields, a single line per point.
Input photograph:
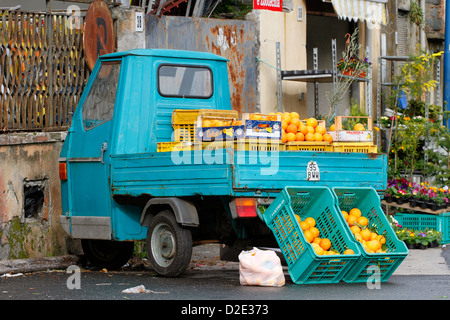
x=169 y=246
x=108 y=254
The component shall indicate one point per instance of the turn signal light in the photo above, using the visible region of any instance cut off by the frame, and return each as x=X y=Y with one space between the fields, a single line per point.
x=63 y=171
x=246 y=207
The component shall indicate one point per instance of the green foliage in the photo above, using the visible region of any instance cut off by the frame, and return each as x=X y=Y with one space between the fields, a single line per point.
x=416 y=14
x=231 y=9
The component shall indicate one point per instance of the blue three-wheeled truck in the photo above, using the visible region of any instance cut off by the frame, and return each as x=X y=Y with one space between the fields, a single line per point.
x=117 y=187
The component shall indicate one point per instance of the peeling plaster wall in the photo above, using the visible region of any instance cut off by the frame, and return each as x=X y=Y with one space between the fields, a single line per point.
x=30 y=158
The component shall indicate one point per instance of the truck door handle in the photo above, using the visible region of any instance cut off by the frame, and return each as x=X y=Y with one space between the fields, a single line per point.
x=102 y=151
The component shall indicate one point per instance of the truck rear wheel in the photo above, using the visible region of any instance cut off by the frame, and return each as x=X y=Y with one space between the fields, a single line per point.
x=106 y=253
x=169 y=245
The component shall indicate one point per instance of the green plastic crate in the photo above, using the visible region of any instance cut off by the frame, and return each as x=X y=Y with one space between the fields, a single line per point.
x=418 y=221
x=368 y=201
x=304 y=265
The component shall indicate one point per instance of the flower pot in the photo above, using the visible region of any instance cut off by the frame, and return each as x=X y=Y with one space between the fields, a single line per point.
x=410 y=245
x=433 y=244
x=413 y=202
x=422 y=204
x=351 y=73
x=388 y=198
x=401 y=200
x=420 y=246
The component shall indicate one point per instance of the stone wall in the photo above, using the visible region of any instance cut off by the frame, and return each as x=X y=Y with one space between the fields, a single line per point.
x=30 y=197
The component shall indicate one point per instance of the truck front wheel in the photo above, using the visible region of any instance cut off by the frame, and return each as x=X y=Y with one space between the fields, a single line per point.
x=169 y=245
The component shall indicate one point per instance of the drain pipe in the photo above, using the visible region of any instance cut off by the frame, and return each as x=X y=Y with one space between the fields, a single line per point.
x=446 y=88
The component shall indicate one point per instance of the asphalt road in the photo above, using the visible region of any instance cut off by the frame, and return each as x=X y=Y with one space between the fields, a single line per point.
x=211 y=289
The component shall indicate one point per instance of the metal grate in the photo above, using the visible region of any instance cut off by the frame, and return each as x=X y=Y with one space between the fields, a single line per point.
x=42 y=70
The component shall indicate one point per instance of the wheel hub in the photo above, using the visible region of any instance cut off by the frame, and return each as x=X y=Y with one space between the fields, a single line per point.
x=167 y=243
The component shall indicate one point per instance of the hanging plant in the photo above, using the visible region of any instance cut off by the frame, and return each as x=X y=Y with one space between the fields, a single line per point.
x=416 y=14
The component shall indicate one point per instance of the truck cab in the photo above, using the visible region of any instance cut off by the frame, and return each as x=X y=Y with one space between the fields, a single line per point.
x=118 y=188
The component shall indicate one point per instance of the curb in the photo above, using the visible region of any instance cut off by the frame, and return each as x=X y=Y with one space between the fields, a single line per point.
x=37 y=264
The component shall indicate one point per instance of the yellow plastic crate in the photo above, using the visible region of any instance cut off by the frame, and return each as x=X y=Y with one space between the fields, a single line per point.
x=243 y=145
x=239 y=145
x=173 y=146
x=309 y=146
x=358 y=147
x=184 y=121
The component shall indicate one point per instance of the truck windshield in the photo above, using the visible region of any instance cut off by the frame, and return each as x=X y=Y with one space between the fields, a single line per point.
x=99 y=104
x=185 y=81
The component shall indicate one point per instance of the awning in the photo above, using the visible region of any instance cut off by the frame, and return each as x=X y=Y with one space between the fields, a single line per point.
x=374 y=11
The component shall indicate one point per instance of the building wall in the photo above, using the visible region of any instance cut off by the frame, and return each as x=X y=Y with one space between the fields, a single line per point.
x=29 y=174
x=291 y=33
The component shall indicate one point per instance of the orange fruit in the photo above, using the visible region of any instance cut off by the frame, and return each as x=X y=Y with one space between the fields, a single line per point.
x=290 y=136
x=311 y=122
x=295 y=121
x=315 y=232
x=317 y=240
x=355 y=212
x=310 y=221
x=283 y=137
x=358 y=237
x=284 y=124
x=286 y=117
x=325 y=244
x=206 y=123
x=373 y=236
x=363 y=221
x=373 y=245
x=299 y=137
x=382 y=239
x=321 y=129
x=351 y=220
x=291 y=128
x=309 y=136
x=308 y=235
x=365 y=234
x=345 y=214
x=355 y=229
x=349 y=251
x=318 y=137
x=318 y=250
x=310 y=129
x=328 y=138
x=298 y=218
x=332 y=127
x=294 y=115
x=304 y=225
x=359 y=127
x=302 y=128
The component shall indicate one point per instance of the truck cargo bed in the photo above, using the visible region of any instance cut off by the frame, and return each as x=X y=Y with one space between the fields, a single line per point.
x=240 y=173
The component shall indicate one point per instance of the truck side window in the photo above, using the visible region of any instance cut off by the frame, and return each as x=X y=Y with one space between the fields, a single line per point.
x=99 y=104
x=185 y=81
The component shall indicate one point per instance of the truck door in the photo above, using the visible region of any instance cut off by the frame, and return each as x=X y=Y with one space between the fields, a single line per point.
x=88 y=155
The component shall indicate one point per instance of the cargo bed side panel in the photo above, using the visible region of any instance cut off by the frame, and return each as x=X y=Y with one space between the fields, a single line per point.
x=280 y=169
x=168 y=174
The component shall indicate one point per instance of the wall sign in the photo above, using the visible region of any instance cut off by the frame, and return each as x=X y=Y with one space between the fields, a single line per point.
x=273 y=5
x=99 y=38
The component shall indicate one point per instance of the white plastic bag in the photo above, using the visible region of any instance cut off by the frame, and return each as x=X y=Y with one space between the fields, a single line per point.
x=260 y=268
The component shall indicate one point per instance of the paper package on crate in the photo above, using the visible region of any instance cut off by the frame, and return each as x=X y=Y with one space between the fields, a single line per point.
x=258 y=125
x=341 y=135
x=352 y=136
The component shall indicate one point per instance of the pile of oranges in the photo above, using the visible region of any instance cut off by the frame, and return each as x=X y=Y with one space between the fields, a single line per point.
x=321 y=246
x=371 y=241
x=294 y=129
